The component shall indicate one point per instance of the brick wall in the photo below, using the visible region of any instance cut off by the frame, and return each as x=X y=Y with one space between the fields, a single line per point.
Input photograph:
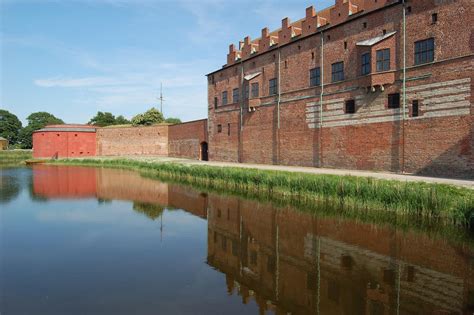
x=64 y=142
x=185 y=139
x=288 y=128
x=151 y=140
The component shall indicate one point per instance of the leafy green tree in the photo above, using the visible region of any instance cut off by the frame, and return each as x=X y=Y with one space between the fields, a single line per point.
x=102 y=119
x=36 y=121
x=150 y=117
x=10 y=126
x=172 y=120
x=120 y=120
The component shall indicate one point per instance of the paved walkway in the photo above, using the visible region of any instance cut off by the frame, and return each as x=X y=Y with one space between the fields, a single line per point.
x=309 y=170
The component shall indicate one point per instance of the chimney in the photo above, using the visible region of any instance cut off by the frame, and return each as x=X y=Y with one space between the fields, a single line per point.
x=231 y=48
x=310 y=12
x=247 y=40
x=284 y=23
x=265 y=32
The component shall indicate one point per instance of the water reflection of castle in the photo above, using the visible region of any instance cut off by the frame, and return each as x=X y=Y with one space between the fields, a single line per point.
x=291 y=262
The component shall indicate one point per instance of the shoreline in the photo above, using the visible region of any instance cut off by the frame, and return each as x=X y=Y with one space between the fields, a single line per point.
x=426 y=202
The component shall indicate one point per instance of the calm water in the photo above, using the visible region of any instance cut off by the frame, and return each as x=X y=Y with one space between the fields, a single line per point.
x=98 y=241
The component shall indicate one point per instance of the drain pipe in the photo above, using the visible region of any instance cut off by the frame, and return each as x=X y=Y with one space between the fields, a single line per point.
x=321 y=102
x=278 y=87
x=241 y=110
x=404 y=97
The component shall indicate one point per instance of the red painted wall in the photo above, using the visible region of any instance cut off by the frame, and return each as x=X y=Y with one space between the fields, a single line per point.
x=63 y=143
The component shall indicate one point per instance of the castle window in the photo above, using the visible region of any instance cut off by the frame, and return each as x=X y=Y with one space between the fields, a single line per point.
x=394 y=100
x=273 y=87
x=246 y=91
x=235 y=95
x=219 y=130
x=365 y=64
x=228 y=133
x=345 y=45
x=216 y=102
x=224 y=98
x=315 y=77
x=364 y=24
x=337 y=71
x=383 y=60
x=350 y=107
x=434 y=18
x=255 y=91
x=424 y=51
x=415 y=112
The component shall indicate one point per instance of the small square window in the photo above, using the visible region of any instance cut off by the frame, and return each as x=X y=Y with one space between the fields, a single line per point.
x=219 y=130
x=434 y=18
x=350 y=107
x=394 y=100
x=364 y=24
x=315 y=77
x=383 y=60
x=224 y=98
x=273 y=87
x=255 y=90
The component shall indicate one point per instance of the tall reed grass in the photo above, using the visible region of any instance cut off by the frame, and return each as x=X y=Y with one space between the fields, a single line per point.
x=14 y=157
x=417 y=200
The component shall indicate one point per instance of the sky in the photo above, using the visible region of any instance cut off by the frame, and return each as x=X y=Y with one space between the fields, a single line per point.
x=73 y=58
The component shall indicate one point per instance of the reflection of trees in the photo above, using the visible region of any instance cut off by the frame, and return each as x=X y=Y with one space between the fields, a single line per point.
x=9 y=188
x=151 y=210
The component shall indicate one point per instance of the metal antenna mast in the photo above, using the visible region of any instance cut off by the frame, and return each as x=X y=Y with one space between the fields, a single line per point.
x=161 y=99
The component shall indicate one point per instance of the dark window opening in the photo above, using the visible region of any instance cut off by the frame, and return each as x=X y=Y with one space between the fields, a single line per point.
x=228 y=129
x=235 y=95
x=434 y=18
x=216 y=102
x=424 y=51
x=312 y=55
x=337 y=71
x=384 y=32
x=350 y=107
x=255 y=91
x=365 y=64
x=219 y=128
x=415 y=109
x=383 y=60
x=224 y=98
x=364 y=24
x=286 y=64
x=408 y=9
x=315 y=77
x=394 y=100
x=273 y=87
x=345 y=45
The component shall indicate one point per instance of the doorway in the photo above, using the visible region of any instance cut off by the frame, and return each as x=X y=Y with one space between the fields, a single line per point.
x=204 y=155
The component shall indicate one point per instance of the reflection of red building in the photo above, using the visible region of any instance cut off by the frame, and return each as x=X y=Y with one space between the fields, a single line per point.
x=64 y=141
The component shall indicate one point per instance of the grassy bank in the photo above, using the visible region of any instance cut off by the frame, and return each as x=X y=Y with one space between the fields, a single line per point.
x=14 y=157
x=421 y=202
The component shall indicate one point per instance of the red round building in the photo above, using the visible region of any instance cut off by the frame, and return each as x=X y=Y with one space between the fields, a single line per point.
x=63 y=141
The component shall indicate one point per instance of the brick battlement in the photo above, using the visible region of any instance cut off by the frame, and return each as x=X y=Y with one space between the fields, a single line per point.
x=313 y=22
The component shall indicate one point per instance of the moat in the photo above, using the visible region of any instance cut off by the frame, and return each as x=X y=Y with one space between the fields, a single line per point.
x=83 y=240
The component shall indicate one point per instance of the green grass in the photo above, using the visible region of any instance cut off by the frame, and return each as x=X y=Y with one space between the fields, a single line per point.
x=14 y=157
x=409 y=202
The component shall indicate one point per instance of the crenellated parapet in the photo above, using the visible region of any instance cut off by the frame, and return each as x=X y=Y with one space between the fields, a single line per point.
x=340 y=12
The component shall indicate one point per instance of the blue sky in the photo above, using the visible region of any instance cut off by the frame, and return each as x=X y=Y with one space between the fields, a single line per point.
x=76 y=57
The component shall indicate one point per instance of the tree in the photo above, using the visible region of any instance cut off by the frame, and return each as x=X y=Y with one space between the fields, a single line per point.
x=120 y=120
x=102 y=119
x=36 y=121
x=150 y=117
x=10 y=126
x=172 y=120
